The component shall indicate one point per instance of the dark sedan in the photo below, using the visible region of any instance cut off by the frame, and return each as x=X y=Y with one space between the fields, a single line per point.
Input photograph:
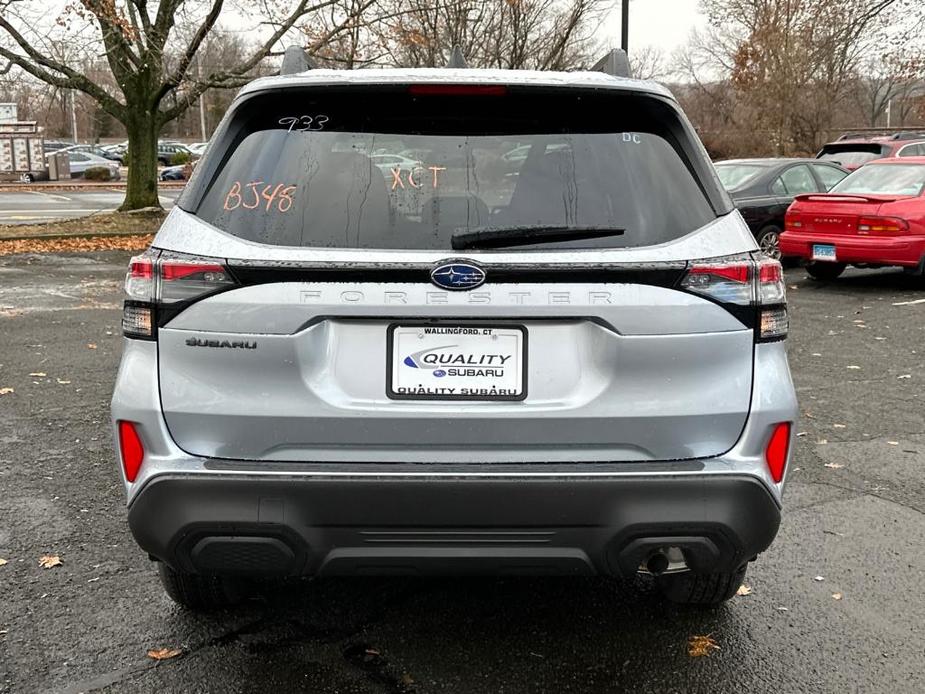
x=763 y=189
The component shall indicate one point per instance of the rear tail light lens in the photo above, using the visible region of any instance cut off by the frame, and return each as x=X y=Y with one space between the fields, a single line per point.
x=745 y=283
x=726 y=282
x=775 y=454
x=156 y=279
x=894 y=224
x=131 y=450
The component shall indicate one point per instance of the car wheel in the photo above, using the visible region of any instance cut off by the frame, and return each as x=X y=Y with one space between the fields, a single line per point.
x=197 y=592
x=769 y=242
x=27 y=178
x=825 y=272
x=700 y=589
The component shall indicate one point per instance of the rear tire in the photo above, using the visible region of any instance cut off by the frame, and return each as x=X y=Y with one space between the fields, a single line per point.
x=825 y=272
x=196 y=592
x=701 y=589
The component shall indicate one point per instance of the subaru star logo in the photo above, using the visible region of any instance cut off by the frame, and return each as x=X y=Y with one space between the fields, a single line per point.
x=453 y=275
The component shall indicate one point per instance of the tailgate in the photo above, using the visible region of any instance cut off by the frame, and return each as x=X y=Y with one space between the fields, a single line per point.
x=301 y=371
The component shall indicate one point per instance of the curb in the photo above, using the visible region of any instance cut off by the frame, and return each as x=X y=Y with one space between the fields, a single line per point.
x=79 y=235
x=75 y=187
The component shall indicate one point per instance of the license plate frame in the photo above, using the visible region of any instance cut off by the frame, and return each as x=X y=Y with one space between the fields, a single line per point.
x=824 y=252
x=505 y=329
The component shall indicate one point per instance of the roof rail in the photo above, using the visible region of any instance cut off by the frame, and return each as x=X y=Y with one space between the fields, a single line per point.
x=457 y=59
x=295 y=59
x=614 y=63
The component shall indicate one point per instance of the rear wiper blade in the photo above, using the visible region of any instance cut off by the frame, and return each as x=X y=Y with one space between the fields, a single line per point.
x=506 y=237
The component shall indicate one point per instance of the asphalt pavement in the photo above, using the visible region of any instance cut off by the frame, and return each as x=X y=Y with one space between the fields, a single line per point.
x=30 y=207
x=836 y=605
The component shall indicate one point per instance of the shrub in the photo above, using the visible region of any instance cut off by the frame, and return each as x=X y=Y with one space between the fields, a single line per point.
x=98 y=173
x=179 y=158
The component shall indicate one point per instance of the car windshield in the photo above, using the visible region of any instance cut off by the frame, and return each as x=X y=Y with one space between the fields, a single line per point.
x=892 y=179
x=734 y=176
x=428 y=166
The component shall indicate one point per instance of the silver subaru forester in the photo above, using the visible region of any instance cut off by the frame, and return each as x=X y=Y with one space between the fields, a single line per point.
x=453 y=321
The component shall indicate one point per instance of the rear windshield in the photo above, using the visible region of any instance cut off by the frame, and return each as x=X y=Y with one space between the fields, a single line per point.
x=410 y=169
x=734 y=176
x=852 y=155
x=892 y=179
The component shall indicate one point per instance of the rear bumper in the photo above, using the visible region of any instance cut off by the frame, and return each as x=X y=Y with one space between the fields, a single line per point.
x=906 y=251
x=421 y=524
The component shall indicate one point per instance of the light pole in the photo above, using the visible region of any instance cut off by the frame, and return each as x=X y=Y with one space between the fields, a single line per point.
x=625 y=26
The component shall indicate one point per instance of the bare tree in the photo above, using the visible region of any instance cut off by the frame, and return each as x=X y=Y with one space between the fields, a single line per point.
x=150 y=51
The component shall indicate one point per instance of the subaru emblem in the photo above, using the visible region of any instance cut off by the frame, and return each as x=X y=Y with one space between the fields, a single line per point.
x=457 y=275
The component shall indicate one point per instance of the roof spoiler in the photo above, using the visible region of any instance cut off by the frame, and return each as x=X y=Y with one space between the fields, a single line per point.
x=614 y=63
x=295 y=60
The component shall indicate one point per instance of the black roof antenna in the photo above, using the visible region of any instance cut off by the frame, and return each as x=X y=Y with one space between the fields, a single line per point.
x=614 y=63
x=295 y=59
x=457 y=59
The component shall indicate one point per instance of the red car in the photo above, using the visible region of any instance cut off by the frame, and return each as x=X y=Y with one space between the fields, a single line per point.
x=853 y=153
x=874 y=217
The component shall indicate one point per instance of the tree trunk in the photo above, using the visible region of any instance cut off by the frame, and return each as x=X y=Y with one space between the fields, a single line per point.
x=141 y=186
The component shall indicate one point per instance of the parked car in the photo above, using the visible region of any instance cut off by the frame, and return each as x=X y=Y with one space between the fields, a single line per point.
x=95 y=150
x=763 y=189
x=852 y=153
x=81 y=161
x=166 y=151
x=198 y=148
x=584 y=373
x=873 y=218
x=386 y=162
x=54 y=145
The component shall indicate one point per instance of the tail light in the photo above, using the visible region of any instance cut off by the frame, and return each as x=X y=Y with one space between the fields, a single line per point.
x=752 y=290
x=775 y=454
x=131 y=450
x=889 y=224
x=457 y=89
x=158 y=285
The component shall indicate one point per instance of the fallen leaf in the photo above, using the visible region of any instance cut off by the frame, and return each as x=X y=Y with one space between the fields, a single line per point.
x=93 y=580
x=38 y=374
x=880 y=338
x=816 y=354
x=834 y=466
x=698 y=646
x=744 y=590
x=62 y=381
x=164 y=653
x=839 y=426
x=3 y=561
x=801 y=433
x=837 y=596
x=818 y=579
x=852 y=366
x=6 y=391
x=904 y=376
x=822 y=441
x=90 y=345
x=50 y=560
x=407 y=680
x=781 y=608
x=893 y=443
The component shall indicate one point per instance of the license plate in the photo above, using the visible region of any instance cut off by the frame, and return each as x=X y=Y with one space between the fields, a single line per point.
x=436 y=361
x=823 y=252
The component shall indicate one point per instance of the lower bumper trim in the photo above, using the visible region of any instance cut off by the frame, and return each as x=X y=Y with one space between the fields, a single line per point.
x=292 y=525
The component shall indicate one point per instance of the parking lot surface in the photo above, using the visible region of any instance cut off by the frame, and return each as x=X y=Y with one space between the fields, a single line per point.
x=29 y=207
x=836 y=604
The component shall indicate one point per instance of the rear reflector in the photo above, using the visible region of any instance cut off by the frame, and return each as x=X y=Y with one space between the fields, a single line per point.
x=133 y=453
x=776 y=453
x=458 y=89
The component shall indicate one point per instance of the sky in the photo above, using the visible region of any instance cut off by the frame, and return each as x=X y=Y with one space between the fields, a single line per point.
x=664 y=24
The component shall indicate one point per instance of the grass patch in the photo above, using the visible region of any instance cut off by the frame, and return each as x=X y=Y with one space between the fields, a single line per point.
x=102 y=224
